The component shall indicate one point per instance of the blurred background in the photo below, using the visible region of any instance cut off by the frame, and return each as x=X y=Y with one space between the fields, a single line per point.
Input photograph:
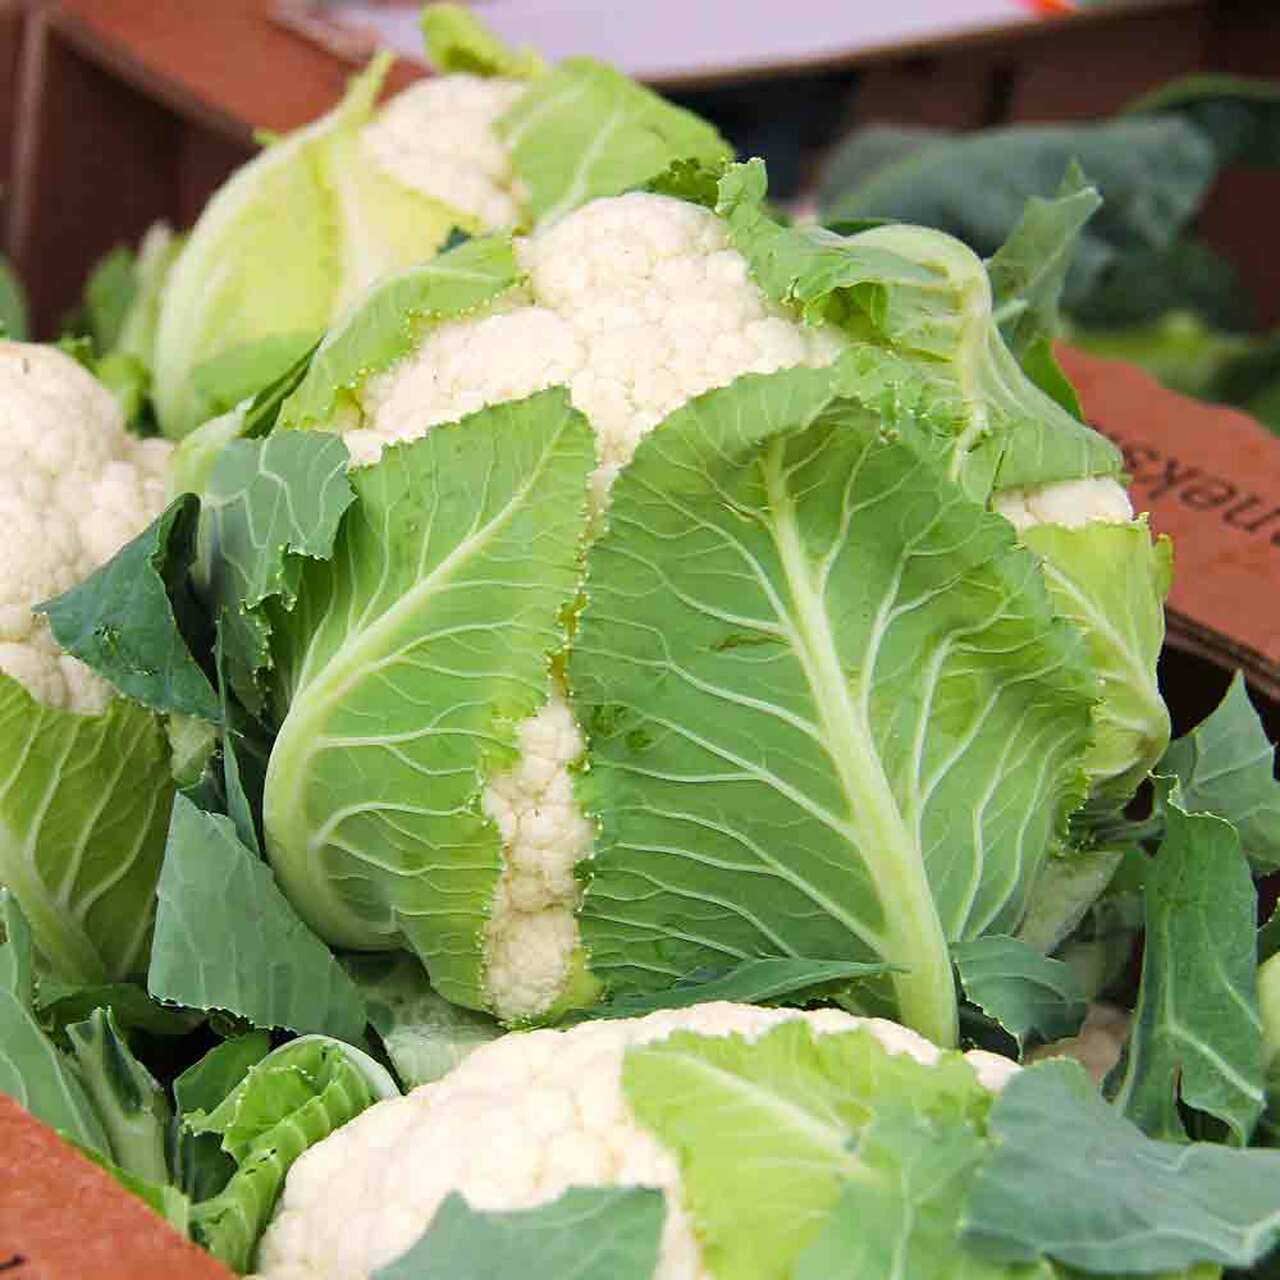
x=117 y=113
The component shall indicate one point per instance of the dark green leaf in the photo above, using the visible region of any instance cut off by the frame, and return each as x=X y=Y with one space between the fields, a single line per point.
x=760 y=981
x=900 y=1216
x=1028 y=272
x=201 y=1167
x=13 y=304
x=1068 y=885
x=32 y=1071
x=423 y=1034
x=1041 y=365
x=254 y=369
x=584 y=130
x=1225 y=766
x=204 y=1084
x=1239 y=116
x=122 y=621
x=1070 y=1178
x=1143 y=285
x=108 y=295
x=268 y=504
x=287 y=1102
x=589 y=1233
x=1153 y=174
x=130 y=1103
x=1029 y=994
x=217 y=899
x=1196 y=1035
x=58 y=1004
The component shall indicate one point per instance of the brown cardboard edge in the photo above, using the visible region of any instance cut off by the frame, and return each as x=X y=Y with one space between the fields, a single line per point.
x=340 y=38
x=1191 y=637
x=1190 y=634
x=64 y=1218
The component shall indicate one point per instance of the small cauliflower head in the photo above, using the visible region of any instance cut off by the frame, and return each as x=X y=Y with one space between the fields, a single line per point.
x=1109 y=578
x=74 y=488
x=530 y=1115
x=439 y=137
x=636 y=304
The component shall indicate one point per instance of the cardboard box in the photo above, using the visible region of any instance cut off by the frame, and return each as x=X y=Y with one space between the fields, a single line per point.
x=1210 y=478
x=63 y=1218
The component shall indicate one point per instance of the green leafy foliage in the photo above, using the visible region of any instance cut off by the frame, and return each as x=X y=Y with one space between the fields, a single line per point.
x=899 y=1218
x=240 y=373
x=1027 y=993
x=389 y=321
x=1152 y=173
x=926 y=299
x=286 y=1102
x=1239 y=116
x=109 y=292
x=122 y=620
x=1110 y=580
x=217 y=898
x=1068 y=885
x=410 y=657
x=1029 y=270
x=1070 y=1178
x=201 y=1167
x=268 y=505
x=32 y=1071
x=1226 y=766
x=762 y=524
x=457 y=42
x=83 y=807
x=777 y=1124
x=13 y=304
x=59 y=1004
x=1197 y=1034
x=588 y=1233
x=129 y=1102
x=423 y=1034
x=292 y=238
x=584 y=130
x=777 y=979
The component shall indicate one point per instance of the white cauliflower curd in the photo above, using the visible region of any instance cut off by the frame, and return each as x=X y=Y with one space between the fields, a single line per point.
x=636 y=303
x=514 y=1126
x=1069 y=503
x=74 y=488
x=439 y=138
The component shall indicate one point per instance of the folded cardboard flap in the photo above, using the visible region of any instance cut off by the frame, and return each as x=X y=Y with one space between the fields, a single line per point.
x=1210 y=478
x=63 y=1218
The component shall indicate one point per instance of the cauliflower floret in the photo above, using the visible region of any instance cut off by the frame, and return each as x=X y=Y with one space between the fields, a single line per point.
x=1070 y=503
x=515 y=1125
x=636 y=303
x=439 y=138
x=74 y=488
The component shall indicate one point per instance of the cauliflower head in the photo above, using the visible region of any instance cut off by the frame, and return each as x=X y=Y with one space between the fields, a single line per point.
x=74 y=488
x=636 y=304
x=85 y=784
x=298 y=235
x=440 y=137
x=520 y=1121
x=603 y=686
